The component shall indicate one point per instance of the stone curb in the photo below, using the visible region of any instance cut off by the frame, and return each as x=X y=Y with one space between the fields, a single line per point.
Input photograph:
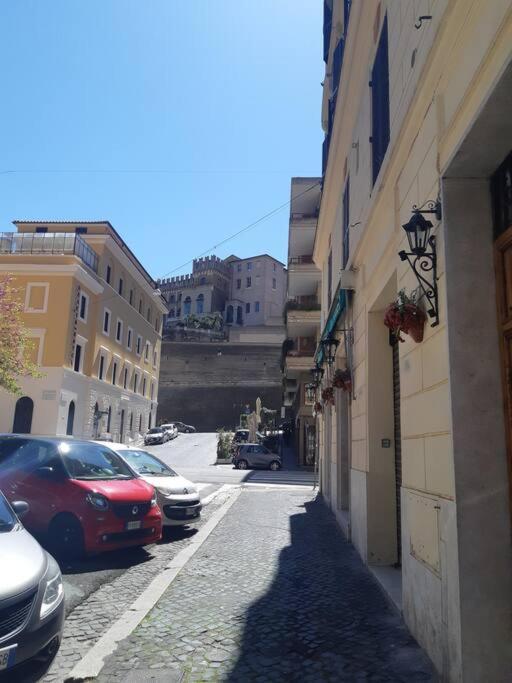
x=91 y=664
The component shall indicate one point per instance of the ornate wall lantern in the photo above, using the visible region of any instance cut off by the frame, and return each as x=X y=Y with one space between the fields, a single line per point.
x=317 y=373
x=330 y=345
x=310 y=392
x=422 y=256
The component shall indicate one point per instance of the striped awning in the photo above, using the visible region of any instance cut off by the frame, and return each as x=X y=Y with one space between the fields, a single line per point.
x=337 y=307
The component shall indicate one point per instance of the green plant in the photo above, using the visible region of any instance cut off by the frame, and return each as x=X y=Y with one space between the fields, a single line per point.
x=224 y=441
x=404 y=315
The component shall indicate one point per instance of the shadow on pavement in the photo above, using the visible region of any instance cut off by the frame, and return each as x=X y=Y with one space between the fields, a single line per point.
x=28 y=672
x=323 y=617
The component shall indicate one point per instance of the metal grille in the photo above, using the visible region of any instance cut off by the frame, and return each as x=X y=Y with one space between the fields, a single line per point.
x=131 y=510
x=14 y=616
x=398 y=448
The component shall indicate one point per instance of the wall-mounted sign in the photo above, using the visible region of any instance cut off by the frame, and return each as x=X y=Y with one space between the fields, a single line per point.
x=49 y=395
x=385 y=443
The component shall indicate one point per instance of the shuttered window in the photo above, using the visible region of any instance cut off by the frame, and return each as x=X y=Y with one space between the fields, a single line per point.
x=380 y=102
x=346 y=223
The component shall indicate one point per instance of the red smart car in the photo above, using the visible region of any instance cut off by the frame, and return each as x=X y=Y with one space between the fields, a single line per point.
x=81 y=494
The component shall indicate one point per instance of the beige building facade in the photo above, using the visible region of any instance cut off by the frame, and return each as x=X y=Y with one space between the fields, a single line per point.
x=414 y=459
x=94 y=316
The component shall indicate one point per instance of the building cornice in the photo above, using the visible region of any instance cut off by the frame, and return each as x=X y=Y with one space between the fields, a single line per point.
x=45 y=270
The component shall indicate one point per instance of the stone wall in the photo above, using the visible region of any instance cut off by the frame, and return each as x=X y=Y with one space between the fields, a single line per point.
x=208 y=385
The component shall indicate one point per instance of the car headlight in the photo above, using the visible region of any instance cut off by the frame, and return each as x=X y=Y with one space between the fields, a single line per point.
x=53 y=594
x=153 y=499
x=98 y=501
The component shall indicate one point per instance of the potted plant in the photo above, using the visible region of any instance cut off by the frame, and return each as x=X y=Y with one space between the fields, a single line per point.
x=404 y=315
x=342 y=380
x=328 y=395
x=317 y=408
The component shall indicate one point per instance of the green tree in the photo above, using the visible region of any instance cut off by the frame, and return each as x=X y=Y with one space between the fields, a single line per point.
x=15 y=345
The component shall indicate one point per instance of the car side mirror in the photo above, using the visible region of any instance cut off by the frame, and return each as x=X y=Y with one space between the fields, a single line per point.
x=20 y=507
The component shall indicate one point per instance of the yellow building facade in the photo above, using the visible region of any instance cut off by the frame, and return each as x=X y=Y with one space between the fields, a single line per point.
x=414 y=459
x=94 y=317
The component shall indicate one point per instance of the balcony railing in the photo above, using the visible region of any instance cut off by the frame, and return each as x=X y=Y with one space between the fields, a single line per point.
x=298 y=260
x=303 y=346
x=48 y=243
x=303 y=303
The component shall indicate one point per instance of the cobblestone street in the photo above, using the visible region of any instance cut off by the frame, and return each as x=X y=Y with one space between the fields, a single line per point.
x=274 y=594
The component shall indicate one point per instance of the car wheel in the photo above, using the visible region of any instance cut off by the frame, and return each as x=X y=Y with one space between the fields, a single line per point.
x=242 y=464
x=67 y=537
x=275 y=465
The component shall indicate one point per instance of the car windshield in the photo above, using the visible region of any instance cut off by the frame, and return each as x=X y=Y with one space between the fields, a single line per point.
x=145 y=463
x=7 y=520
x=92 y=461
x=155 y=430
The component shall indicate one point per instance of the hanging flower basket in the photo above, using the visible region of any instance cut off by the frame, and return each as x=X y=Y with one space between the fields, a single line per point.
x=317 y=409
x=328 y=395
x=403 y=315
x=342 y=380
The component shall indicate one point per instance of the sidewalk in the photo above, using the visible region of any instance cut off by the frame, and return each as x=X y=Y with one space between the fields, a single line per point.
x=274 y=594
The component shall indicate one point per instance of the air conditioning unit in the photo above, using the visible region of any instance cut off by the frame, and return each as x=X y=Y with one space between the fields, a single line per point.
x=347 y=279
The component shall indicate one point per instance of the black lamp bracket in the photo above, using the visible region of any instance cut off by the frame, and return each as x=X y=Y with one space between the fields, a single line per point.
x=418 y=23
x=424 y=267
x=430 y=206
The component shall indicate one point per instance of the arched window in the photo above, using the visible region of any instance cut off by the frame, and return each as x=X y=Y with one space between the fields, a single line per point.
x=202 y=281
x=239 y=315
x=71 y=418
x=229 y=315
x=23 y=415
x=187 y=305
x=131 y=421
x=140 y=423
x=200 y=304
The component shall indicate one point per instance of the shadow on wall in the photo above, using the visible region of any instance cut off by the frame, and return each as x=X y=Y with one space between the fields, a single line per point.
x=324 y=617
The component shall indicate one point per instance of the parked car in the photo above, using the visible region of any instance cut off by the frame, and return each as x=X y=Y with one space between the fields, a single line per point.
x=170 y=429
x=31 y=592
x=177 y=497
x=81 y=494
x=241 y=436
x=187 y=429
x=255 y=455
x=156 y=435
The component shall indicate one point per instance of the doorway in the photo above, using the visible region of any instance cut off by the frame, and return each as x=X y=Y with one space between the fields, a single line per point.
x=397 y=434
x=23 y=412
x=71 y=418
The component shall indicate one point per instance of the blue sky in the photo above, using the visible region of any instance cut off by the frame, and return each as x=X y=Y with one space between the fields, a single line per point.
x=222 y=95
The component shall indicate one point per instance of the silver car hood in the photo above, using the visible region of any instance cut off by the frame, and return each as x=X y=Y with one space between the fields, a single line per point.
x=171 y=485
x=23 y=562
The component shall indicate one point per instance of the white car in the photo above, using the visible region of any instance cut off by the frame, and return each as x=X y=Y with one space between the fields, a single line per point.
x=171 y=430
x=177 y=497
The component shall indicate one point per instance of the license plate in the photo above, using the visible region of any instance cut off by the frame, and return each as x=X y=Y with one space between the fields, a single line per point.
x=133 y=525
x=7 y=656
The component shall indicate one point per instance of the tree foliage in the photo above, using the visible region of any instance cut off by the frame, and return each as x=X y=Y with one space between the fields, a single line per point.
x=15 y=345
x=211 y=321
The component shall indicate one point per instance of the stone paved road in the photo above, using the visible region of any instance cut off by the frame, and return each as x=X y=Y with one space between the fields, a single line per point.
x=274 y=594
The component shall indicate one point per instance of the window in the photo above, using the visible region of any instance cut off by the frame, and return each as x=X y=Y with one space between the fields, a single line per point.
x=77 y=365
x=143 y=386
x=108 y=275
x=114 y=372
x=155 y=359
x=274 y=283
x=257 y=307
x=140 y=306
x=84 y=306
x=171 y=313
x=239 y=267
x=129 y=338
x=202 y=281
x=329 y=279
x=152 y=390
x=106 y=321
x=119 y=331
x=248 y=282
x=239 y=284
x=81 y=230
x=200 y=304
x=148 y=316
x=135 y=382
x=120 y=288
x=101 y=368
x=275 y=267
x=247 y=308
x=41 y=229
x=249 y=265
x=346 y=223
x=157 y=323
x=140 y=423
x=138 y=347
x=146 y=352
x=36 y=297
x=130 y=297
x=125 y=378
x=131 y=421
x=172 y=300
x=380 y=102
x=187 y=306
